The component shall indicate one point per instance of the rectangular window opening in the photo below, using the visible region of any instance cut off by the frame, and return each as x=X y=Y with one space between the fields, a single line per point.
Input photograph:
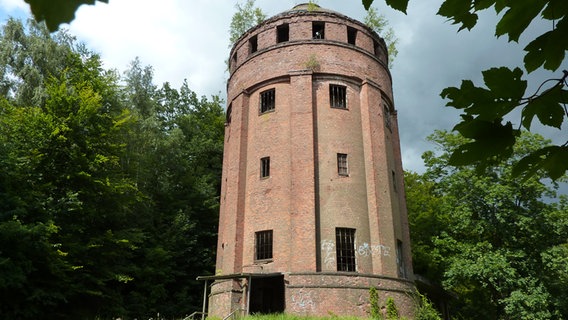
x=282 y=33
x=338 y=96
x=345 y=249
x=228 y=114
x=387 y=116
x=265 y=167
x=394 y=181
x=267 y=100
x=400 y=260
x=253 y=44
x=342 y=168
x=351 y=35
x=318 y=30
x=234 y=59
x=263 y=245
x=377 y=48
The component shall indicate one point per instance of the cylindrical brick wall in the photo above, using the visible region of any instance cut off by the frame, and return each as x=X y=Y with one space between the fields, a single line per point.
x=298 y=59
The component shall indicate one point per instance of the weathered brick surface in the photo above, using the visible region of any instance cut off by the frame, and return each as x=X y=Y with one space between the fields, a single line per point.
x=304 y=199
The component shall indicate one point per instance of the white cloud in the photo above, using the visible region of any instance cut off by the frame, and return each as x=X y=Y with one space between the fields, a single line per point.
x=184 y=39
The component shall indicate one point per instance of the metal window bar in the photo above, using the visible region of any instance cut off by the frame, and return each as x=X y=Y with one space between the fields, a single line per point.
x=264 y=245
x=345 y=249
x=267 y=100
x=342 y=168
x=338 y=96
x=265 y=167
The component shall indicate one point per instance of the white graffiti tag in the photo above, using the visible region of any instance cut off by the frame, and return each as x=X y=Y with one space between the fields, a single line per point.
x=369 y=250
x=328 y=249
x=303 y=302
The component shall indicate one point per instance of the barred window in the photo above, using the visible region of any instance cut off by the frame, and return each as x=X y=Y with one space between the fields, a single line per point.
x=338 y=96
x=342 y=168
x=267 y=100
x=265 y=167
x=345 y=247
x=263 y=245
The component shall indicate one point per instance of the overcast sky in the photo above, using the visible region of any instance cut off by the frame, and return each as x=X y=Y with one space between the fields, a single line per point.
x=184 y=39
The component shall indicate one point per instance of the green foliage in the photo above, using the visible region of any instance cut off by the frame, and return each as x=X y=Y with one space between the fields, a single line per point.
x=487 y=236
x=491 y=140
x=246 y=17
x=374 y=302
x=56 y=12
x=424 y=309
x=380 y=25
x=108 y=192
x=392 y=310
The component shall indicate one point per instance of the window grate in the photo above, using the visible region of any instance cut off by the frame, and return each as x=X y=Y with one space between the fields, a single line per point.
x=263 y=245
x=267 y=100
x=265 y=167
x=342 y=168
x=345 y=247
x=338 y=96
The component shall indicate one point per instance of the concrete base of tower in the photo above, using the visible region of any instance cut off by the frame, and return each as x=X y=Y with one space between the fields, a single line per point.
x=345 y=294
x=317 y=294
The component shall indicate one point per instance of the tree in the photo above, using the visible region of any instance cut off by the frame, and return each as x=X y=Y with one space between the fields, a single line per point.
x=380 y=25
x=109 y=187
x=246 y=17
x=488 y=237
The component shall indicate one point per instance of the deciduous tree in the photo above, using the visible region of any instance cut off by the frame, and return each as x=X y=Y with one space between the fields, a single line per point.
x=487 y=237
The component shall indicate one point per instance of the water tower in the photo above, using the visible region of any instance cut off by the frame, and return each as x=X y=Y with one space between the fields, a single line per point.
x=313 y=207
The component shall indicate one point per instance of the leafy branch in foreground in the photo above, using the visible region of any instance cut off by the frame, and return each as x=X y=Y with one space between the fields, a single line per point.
x=493 y=140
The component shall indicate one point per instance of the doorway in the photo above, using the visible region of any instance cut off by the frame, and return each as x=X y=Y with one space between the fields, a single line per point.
x=267 y=295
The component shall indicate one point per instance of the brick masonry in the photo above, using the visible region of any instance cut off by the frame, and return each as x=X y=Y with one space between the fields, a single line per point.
x=304 y=199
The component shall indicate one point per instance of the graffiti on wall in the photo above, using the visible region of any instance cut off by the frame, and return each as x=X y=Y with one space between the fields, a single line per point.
x=302 y=301
x=363 y=250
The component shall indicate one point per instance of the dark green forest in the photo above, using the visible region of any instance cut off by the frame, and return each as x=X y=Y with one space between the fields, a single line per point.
x=109 y=197
x=108 y=184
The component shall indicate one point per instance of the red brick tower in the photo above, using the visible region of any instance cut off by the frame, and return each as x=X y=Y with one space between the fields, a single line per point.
x=312 y=203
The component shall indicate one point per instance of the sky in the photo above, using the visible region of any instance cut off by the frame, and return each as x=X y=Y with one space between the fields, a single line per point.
x=188 y=40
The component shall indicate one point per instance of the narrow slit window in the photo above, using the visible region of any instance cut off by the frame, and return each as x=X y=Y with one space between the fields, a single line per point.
x=394 y=181
x=267 y=100
x=338 y=96
x=234 y=59
x=265 y=167
x=387 y=116
x=228 y=115
x=400 y=259
x=253 y=44
x=342 y=168
x=377 y=48
x=318 y=30
x=345 y=249
x=282 y=33
x=263 y=245
x=351 y=35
